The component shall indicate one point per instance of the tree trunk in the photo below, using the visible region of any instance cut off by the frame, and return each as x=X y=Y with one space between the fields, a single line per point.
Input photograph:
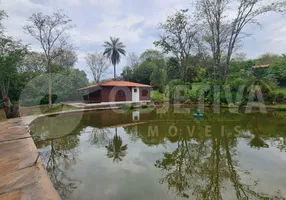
x=4 y=88
x=11 y=111
x=50 y=85
x=114 y=72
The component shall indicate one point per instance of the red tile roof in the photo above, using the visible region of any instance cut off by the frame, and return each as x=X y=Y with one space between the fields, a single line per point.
x=115 y=84
x=261 y=66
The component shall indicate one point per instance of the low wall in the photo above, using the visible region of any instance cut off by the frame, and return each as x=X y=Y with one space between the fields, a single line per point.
x=22 y=173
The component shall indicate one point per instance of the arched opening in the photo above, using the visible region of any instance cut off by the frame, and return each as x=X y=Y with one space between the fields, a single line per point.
x=120 y=96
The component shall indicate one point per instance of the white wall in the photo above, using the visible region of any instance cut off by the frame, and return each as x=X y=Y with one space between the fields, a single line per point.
x=135 y=94
x=135 y=116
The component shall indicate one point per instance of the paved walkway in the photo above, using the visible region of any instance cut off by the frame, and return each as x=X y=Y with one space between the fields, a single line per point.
x=22 y=175
x=105 y=105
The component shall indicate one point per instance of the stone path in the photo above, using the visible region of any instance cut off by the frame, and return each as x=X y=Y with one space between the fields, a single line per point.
x=22 y=174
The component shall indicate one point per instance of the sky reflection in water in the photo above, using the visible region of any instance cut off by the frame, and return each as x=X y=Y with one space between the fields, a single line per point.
x=104 y=155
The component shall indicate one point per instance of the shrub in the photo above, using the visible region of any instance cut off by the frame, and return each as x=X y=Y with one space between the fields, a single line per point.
x=127 y=106
x=1 y=104
x=177 y=93
x=269 y=98
x=279 y=98
x=193 y=98
x=157 y=97
x=45 y=99
x=144 y=105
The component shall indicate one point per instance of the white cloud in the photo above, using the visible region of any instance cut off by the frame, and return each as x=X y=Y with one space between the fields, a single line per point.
x=134 y=22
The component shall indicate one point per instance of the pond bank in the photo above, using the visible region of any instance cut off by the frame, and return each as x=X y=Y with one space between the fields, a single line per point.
x=22 y=173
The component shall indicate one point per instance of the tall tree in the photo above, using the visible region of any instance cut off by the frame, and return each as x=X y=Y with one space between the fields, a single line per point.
x=133 y=60
x=11 y=55
x=151 y=55
x=113 y=50
x=179 y=38
x=98 y=64
x=51 y=32
x=33 y=62
x=158 y=79
x=172 y=69
x=278 y=68
x=2 y=16
x=66 y=59
x=223 y=33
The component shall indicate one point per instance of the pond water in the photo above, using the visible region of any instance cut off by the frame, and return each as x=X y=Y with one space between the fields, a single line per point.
x=150 y=155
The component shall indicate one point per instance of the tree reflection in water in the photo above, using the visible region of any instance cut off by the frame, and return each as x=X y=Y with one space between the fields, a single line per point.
x=58 y=156
x=100 y=137
x=204 y=168
x=200 y=167
x=116 y=149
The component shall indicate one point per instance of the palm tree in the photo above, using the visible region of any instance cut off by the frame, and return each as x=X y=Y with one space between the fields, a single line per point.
x=116 y=149
x=261 y=78
x=113 y=50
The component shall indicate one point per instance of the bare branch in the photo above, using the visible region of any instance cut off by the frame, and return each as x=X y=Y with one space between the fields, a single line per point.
x=98 y=64
x=223 y=34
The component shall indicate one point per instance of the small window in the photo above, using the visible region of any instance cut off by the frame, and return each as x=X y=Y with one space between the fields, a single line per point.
x=135 y=90
x=145 y=93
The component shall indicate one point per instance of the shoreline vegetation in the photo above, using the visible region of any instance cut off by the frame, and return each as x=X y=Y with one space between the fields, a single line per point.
x=61 y=107
x=158 y=98
x=190 y=65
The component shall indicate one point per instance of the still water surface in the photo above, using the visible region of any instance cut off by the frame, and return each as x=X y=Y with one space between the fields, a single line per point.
x=137 y=155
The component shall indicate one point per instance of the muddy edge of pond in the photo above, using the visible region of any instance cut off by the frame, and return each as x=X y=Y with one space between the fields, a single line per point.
x=22 y=173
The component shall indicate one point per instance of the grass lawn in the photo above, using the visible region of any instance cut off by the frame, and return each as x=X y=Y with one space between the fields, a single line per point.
x=279 y=107
x=157 y=97
x=44 y=109
x=197 y=86
x=281 y=90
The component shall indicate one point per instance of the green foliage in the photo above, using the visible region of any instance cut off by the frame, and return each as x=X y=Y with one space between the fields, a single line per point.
x=266 y=59
x=281 y=107
x=261 y=77
x=158 y=79
x=150 y=60
x=281 y=90
x=157 y=97
x=152 y=55
x=64 y=87
x=128 y=74
x=278 y=69
x=143 y=73
x=144 y=105
x=45 y=99
x=178 y=90
x=172 y=69
x=127 y=106
x=193 y=98
x=11 y=54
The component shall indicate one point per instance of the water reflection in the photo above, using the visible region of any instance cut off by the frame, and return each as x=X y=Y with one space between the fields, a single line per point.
x=59 y=156
x=191 y=164
x=115 y=149
x=203 y=169
x=99 y=137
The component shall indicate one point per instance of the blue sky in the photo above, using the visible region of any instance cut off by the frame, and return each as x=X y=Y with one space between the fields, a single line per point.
x=133 y=21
